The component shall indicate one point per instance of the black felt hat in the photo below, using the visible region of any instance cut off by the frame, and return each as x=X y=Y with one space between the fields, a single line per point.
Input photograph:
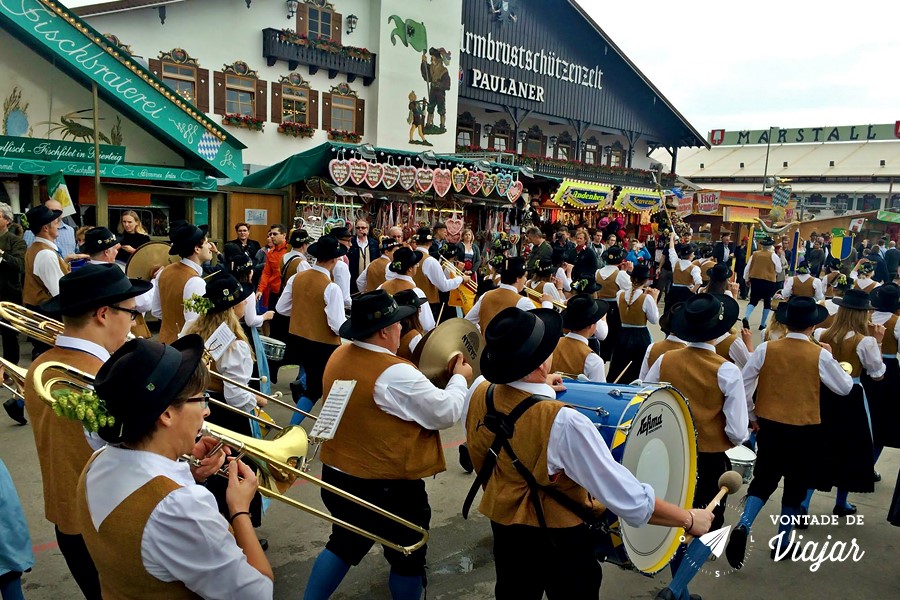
x=423 y=235
x=186 y=236
x=299 y=237
x=719 y=273
x=800 y=312
x=141 y=379
x=387 y=243
x=640 y=272
x=518 y=341
x=582 y=311
x=404 y=258
x=614 y=255
x=866 y=268
x=39 y=216
x=93 y=286
x=684 y=250
x=584 y=283
x=409 y=298
x=767 y=241
x=224 y=291
x=886 y=298
x=326 y=248
x=513 y=264
x=373 y=311
x=854 y=300
x=340 y=233
x=501 y=243
x=239 y=263
x=98 y=239
x=544 y=267
x=704 y=317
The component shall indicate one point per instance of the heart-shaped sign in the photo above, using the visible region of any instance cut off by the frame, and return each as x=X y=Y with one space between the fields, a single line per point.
x=442 y=181
x=374 y=174
x=490 y=181
x=340 y=171
x=504 y=180
x=391 y=175
x=454 y=228
x=407 y=176
x=424 y=179
x=476 y=178
x=513 y=238
x=459 y=177
x=514 y=191
x=358 y=169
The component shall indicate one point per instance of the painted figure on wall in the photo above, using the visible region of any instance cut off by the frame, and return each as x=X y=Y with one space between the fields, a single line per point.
x=438 y=78
x=416 y=119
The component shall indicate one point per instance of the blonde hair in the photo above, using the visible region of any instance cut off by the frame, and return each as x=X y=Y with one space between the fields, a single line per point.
x=139 y=228
x=206 y=324
x=845 y=321
x=775 y=331
x=79 y=233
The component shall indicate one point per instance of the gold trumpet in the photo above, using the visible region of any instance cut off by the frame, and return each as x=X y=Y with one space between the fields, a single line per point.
x=279 y=461
x=536 y=298
x=467 y=281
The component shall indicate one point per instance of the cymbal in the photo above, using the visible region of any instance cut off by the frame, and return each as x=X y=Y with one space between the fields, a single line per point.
x=148 y=257
x=440 y=346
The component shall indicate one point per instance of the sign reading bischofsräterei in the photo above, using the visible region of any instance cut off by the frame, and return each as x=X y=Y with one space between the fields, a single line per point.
x=805 y=135
x=38 y=149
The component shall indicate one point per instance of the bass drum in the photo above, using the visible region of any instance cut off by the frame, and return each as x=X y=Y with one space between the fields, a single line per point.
x=650 y=432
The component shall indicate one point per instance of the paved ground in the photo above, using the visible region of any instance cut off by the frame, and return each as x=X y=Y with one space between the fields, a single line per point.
x=460 y=560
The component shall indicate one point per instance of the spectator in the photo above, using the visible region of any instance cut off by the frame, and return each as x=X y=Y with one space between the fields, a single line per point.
x=270 y=283
x=815 y=258
x=16 y=555
x=892 y=259
x=881 y=274
x=779 y=277
x=12 y=269
x=363 y=250
x=724 y=249
x=131 y=235
x=244 y=243
x=638 y=254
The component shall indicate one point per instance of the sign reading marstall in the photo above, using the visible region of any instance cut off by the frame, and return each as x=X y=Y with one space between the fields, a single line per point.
x=707 y=202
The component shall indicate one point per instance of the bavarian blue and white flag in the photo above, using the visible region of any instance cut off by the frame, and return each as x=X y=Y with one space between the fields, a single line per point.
x=208 y=146
x=781 y=195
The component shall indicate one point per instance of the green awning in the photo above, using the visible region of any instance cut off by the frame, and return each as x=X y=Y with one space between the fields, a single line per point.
x=291 y=170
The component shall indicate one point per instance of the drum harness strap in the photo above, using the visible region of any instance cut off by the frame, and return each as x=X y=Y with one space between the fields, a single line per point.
x=284 y=271
x=503 y=427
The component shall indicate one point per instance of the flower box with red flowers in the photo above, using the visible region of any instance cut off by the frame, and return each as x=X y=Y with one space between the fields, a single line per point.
x=245 y=121
x=339 y=135
x=296 y=129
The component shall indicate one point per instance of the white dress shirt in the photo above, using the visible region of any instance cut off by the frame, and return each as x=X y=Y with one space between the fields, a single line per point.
x=341 y=276
x=737 y=352
x=880 y=318
x=564 y=279
x=426 y=317
x=684 y=264
x=830 y=372
x=100 y=353
x=435 y=274
x=732 y=387
x=403 y=392
x=623 y=280
x=523 y=303
x=46 y=266
x=194 y=285
x=251 y=317
x=289 y=255
x=651 y=311
x=575 y=446
x=868 y=352
x=866 y=283
x=185 y=538
x=776 y=260
x=593 y=367
x=235 y=363
x=645 y=368
x=818 y=288
x=334 y=301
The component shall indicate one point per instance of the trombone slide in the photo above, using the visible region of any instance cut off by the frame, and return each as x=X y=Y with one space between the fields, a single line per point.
x=536 y=296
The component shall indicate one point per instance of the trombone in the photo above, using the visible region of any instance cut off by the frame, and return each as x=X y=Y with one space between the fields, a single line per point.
x=467 y=281
x=279 y=460
x=536 y=296
x=16 y=374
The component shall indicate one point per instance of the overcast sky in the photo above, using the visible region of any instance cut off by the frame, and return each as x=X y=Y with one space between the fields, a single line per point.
x=752 y=65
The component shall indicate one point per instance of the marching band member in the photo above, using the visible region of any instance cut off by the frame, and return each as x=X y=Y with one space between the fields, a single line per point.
x=862 y=276
x=829 y=282
x=803 y=284
x=16 y=554
x=97 y=307
x=241 y=268
x=670 y=342
x=561 y=463
x=151 y=530
x=563 y=275
x=512 y=280
x=760 y=273
x=573 y=355
x=179 y=281
x=636 y=307
x=612 y=278
x=430 y=276
x=43 y=265
x=686 y=277
x=341 y=271
x=500 y=247
x=294 y=260
x=886 y=413
x=542 y=282
x=386 y=444
x=786 y=424
x=377 y=271
x=404 y=266
x=705 y=262
x=314 y=331
x=718 y=281
x=411 y=331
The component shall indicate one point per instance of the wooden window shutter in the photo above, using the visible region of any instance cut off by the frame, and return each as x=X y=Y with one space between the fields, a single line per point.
x=303 y=18
x=476 y=134
x=326 y=111
x=156 y=67
x=337 y=26
x=219 y=94
x=276 y=102
x=261 y=101
x=360 y=120
x=203 y=90
x=312 y=110
x=543 y=146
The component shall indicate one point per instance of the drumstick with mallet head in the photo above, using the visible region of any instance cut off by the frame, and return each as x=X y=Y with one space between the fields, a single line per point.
x=729 y=483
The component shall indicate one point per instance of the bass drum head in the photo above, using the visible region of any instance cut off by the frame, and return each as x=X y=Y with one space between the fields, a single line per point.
x=660 y=450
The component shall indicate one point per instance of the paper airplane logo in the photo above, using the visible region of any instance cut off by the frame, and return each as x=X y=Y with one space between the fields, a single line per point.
x=716 y=540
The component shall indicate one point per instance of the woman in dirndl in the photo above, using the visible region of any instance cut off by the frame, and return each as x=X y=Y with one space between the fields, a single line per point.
x=882 y=394
x=637 y=307
x=610 y=280
x=846 y=426
x=411 y=330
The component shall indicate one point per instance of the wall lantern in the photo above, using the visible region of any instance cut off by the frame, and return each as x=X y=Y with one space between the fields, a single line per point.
x=352 y=21
x=523 y=135
x=488 y=130
x=291 y=8
x=553 y=140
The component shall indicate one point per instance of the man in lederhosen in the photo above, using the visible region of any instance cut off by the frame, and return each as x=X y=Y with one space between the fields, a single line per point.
x=431 y=279
x=760 y=273
x=44 y=266
x=377 y=271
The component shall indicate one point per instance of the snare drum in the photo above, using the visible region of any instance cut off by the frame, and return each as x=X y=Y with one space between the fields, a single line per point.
x=650 y=432
x=742 y=460
x=273 y=348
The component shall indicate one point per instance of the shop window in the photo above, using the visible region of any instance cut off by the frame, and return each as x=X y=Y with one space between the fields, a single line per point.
x=317 y=18
x=182 y=73
x=239 y=91
x=343 y=110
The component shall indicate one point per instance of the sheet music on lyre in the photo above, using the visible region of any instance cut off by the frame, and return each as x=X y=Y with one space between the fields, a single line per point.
x=333 y=409
x=219 y=341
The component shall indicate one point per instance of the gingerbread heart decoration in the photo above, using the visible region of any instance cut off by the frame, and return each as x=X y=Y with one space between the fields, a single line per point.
x=424 y=179
x=391 y=175
x=476 y=178
x=442 y=181
x=504 y=180
x=514 y=191
x=358 y=169
x=374 y=174
x=407 y=176
x=513 y=238
x=490 y=182
x=459 y=177
x=454 y=228
x=340 y=171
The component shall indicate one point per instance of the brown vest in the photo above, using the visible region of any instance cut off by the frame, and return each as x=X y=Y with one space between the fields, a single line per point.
x=661 y=347
x=761 y=266
x=392 y=286
x=288 y=269
x=61 y=447
x=723 y=348
x=424 y=284
x=171 y=296
x=788 y=388
x=569 y=356
x=116 y=546
x=694 y=372
x=870 y=285
x=633 y=314
x=506 y=498
x=34 y=292
x=705 y=266
x=375 y=273
x=845 y=351
x=889 y=343
x=311 y=323
x=829 y=283
x=404 y=352
x=369 y=443
x=682 y=276
x=493 y=302
x=803 y=288
x=608 y=286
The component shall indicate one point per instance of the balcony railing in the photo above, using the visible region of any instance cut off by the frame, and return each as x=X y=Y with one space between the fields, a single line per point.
x=275 y=48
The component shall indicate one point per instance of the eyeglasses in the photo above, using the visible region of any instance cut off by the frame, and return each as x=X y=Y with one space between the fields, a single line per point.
x=204 y=400
x=134 y=313
x=272 y=233
x=362 y=228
